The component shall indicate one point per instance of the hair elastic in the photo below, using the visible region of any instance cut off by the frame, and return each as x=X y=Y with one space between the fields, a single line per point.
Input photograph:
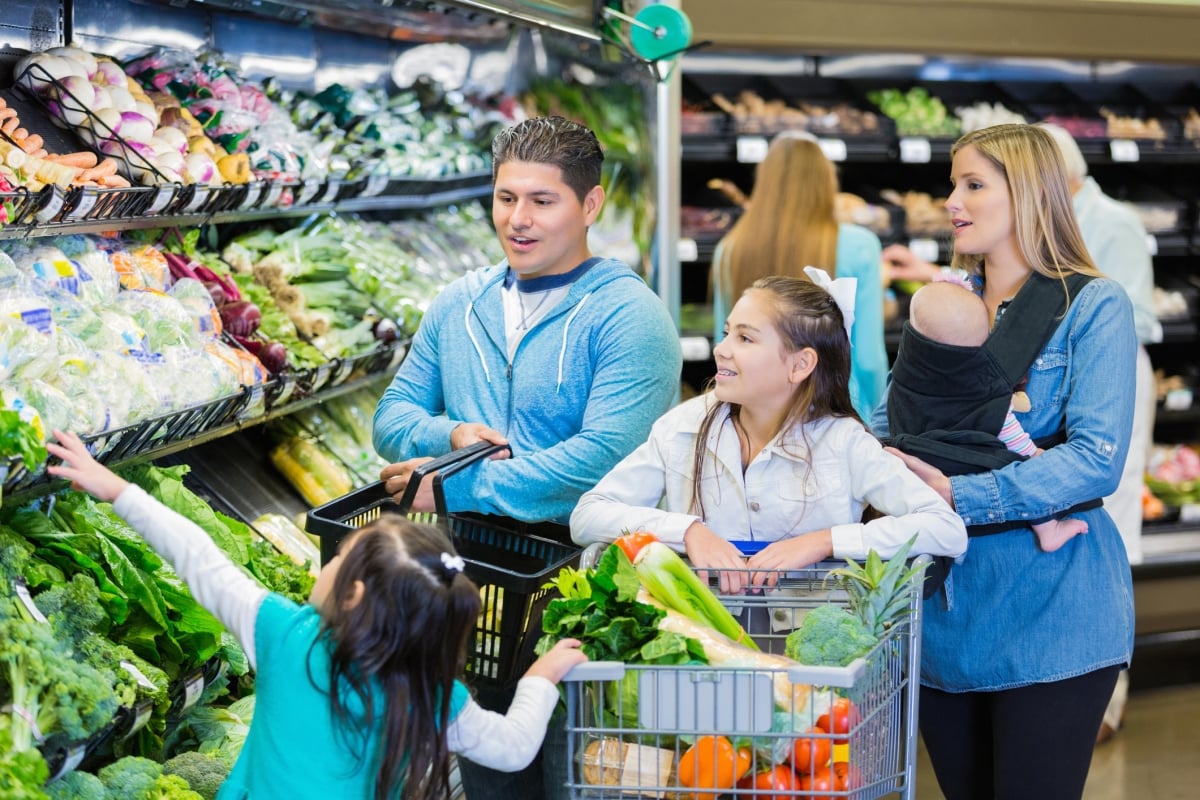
x=455 y=563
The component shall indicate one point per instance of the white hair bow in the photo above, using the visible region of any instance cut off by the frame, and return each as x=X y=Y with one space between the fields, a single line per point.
x=454 y=563
x=842 y=290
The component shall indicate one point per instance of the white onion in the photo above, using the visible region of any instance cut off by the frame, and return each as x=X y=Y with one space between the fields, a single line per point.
x=110 y=117
x=135 y=127
x=78 y=88
x=102 y=99
x=122 y=100
x=169 y=160
x=147 y=110
x=77 y=54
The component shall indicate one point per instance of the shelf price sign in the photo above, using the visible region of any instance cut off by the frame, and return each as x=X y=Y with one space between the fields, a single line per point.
x=751 y=149
x=915 y=150
x=1124 y=150
x=834 y=149
x=688 y=250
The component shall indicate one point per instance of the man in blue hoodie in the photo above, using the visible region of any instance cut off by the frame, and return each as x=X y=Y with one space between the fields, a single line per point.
x=567 y=357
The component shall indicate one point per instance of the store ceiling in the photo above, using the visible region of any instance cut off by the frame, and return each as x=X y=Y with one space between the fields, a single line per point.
x=1145 y=30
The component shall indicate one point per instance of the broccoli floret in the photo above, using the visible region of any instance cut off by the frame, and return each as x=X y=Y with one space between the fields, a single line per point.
x=48 y=687
x=130 y=778
x=829 y=636
x=204 y=773
x=22 y=772
x=76 y=786
x=170 y=787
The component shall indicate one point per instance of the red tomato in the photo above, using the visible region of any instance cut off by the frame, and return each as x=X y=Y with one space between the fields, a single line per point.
x=820 y=781
x=845 y=777
x=808 y=754
x=631 y=543
x=841 y=717
x=765 y=784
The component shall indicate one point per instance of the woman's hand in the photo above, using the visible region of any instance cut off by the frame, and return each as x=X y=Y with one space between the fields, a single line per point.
x=83 y=471
x=795 y=552
x=558 y=661
x=901 y=264
x=934 y=477
x=396 y=478
x=706 y=550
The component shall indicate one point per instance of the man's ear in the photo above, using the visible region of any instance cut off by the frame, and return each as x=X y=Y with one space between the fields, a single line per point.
x=804 y=361
x=593 y=201
x=356 y=595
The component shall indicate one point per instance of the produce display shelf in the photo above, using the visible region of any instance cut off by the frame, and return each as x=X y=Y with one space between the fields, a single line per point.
x=454 y=189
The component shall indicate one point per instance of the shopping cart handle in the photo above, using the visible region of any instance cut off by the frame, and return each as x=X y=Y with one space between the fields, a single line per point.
x=596 y=671
x=836 y=677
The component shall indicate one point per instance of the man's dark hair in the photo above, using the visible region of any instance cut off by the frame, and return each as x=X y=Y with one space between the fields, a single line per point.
x=556 y=141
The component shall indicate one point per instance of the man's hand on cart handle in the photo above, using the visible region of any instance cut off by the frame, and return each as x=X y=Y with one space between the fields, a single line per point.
x=468 y=433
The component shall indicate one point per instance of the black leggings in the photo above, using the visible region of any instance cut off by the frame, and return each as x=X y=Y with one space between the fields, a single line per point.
x=1029 y=743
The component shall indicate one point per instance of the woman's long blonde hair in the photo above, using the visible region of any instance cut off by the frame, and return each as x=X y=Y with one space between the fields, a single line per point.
x=1047 y=234
x=789 y=223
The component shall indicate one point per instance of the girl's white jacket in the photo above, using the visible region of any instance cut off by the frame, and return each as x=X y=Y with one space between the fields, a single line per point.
x=821 y=475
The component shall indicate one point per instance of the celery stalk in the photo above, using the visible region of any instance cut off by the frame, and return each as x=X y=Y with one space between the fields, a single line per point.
x=670 y=581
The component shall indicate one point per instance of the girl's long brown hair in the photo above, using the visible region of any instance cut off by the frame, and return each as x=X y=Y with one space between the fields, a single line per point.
x=805 y=316
x=398 y=651
x=790 y=222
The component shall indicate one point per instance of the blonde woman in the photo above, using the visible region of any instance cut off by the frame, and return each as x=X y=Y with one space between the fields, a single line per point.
x=1022 y=648
x=789 y=224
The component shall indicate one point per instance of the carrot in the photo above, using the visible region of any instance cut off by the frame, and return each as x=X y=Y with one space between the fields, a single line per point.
x=83 y=159
x=105 y=168
x=20 y=135
x=10 y=125
x=5 y=113
x=114 y=182
x=30 y=143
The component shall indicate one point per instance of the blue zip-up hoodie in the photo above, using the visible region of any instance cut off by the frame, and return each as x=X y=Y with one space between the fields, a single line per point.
x=584 y=387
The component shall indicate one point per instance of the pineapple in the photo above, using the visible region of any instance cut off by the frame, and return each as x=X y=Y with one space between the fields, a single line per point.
x=878 y=591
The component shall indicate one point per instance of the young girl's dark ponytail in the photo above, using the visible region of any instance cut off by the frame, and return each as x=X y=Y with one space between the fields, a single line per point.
x=398 y=650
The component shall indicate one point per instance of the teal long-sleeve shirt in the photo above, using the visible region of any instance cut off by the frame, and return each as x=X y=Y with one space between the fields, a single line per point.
x=859 y=255
x=579 y=394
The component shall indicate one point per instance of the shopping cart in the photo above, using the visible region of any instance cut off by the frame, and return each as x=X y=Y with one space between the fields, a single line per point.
x=509 y=565
x=629 y=726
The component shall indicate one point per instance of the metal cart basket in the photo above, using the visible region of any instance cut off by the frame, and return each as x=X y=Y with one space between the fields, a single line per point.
x=509 y=565
x=628 y=727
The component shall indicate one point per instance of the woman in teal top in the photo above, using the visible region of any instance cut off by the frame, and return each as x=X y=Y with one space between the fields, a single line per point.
x=789 y=224
x=357 y=691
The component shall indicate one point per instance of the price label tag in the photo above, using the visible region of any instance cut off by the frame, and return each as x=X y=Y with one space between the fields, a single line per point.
x=375 y=185
x=1178 y=400
x=162 y=196
x=87 y=202
x=915 y=150
x=253 y=193
x=925 y=249
x=834 y=149
x=1152 y=244
x=52 y=206
x=695 y=348
x=331 y=190
x=308 y=190
x=192 y=691
x=273 y=194
x=1189 y=512
x=138 y=675
x=751 y=149
x=26 y=599
x=73 y=758
x=199 y=197
x=142 y=714
x=688 y=250
x=1124 y=150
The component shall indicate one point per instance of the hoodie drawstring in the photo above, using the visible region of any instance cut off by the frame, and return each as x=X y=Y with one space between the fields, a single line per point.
x=479 y=350
x=562 y=353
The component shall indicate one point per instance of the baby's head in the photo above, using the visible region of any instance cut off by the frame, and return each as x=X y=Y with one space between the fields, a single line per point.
x=949 y=313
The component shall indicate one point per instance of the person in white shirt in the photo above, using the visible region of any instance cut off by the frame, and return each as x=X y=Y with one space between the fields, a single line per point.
x=774 y=452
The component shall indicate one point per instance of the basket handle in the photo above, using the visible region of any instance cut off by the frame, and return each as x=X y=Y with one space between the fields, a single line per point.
x=441 y=468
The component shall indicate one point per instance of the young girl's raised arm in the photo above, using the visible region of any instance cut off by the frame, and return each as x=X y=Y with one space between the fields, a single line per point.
x=215 y=581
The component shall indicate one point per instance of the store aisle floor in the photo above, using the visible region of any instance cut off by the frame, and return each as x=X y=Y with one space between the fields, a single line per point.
x=1155 y=756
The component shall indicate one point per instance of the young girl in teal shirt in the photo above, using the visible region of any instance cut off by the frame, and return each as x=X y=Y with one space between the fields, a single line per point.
x=357 y=691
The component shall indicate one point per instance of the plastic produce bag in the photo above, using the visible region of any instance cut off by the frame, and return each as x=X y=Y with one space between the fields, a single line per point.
x=166 y=321
x=195 y=298
x=56 y=410
x=138 y=266
x=23 y=349
x=104 y=283
x=21 y=300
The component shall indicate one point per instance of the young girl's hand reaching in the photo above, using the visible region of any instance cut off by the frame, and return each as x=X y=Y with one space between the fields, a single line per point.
x=555 y=664
x=83 y=471
x=706 y=549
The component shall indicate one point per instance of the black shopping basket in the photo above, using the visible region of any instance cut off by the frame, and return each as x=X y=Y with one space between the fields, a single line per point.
x=509 y=565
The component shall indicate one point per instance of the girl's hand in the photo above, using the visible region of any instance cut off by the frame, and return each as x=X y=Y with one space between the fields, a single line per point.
x=83 y=471
x=558 y=662
x=706 y=549
x=795 y=552
x=934 y=477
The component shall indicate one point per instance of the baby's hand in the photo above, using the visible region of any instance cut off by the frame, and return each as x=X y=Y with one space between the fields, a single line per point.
x=558 y=661
x=83 y=471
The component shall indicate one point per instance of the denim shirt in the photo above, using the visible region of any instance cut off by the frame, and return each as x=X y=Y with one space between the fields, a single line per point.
x=1012 y=615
